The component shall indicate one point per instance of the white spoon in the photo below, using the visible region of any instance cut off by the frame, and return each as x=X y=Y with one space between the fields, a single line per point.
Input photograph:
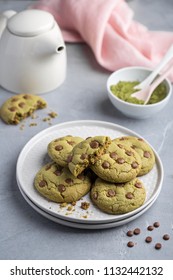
x=152 y=76
x=146 y=93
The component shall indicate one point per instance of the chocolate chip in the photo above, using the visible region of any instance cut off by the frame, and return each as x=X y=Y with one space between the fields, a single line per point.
x=120 y=160
x=71 y=143
x=129 y=153
x=61 y=188
x=26 y=96
x=21 y=104
x=81 y=176
x=130 y=244
x=120 y=146
x=166 y=237
x=138 y=185
x=94 y=144
x=42 y=183
x=58 y=172
x=156 y=224
x=113 y=155
x=150 y=228
x=140 y=139
x=111 y=193
x=148 y=239
x=147 y=154
x=15 y=99
x=12 y=109
x=69 y=181
x=58 y=147
x=69 y=158
x=129 y=195
x=134 y=165
x=105 y=164
x=84 y=156
x=137 y=231
x=48 y=167
x=158 y=246
x=130 y=233
x=95 y=195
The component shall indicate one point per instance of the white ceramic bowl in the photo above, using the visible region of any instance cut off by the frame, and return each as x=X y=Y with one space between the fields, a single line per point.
x=135 y=110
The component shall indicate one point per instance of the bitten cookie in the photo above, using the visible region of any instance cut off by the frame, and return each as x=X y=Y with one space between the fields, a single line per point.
x=118 y=198
x=87 y=152
x=60 y=148
x=118 y=164
x=142 y=148
x=20 y=106
x=59 y=185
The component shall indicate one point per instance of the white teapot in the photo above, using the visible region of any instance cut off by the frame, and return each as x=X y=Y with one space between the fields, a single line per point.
x=32 y=52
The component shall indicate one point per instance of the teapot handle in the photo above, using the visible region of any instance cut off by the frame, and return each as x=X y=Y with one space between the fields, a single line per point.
x=4 y=18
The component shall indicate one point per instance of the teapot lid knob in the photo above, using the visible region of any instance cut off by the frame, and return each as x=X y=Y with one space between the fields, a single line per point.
x=30 y=23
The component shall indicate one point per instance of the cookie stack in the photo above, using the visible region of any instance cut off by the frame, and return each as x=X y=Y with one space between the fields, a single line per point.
x=111 y=167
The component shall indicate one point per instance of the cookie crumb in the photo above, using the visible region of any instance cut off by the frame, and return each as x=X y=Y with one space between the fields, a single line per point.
x=63 y=204
x=85 y=205
x=85 y=216
x=70 y=208
x=33 y=124
x=53 y=115
x=73 y=203
x=46 y=119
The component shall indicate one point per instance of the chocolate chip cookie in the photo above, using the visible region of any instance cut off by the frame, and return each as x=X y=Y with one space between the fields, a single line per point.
x=118 y=198
x=60 y=148
x=87 y=152
x=20 y=106
x=118 y=164
x=57 y=184
x=142 y=148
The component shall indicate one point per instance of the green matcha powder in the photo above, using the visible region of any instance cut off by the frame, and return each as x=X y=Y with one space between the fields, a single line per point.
x=123 y=90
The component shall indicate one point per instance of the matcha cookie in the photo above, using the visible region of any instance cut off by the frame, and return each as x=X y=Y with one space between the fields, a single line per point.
x=87 y=152
x=118 y=198
x=20 y=106
x=60 y=148
x=118 y=164
x=57 y=184
x=142 y=148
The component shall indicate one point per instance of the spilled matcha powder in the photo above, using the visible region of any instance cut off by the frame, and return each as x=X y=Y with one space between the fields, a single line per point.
x=123 y=90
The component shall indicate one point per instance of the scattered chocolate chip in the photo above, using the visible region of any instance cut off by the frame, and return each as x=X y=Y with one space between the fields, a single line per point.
x=113 y=155
x=69 y=181
x=150 y=228
x=158 y=246
x=130 y=244
x=129 y=195
x=58 y=147
x=85 y=205
x=134 y=165
x=130 y=233
x=120 y=160
x=94 y=144
x=111 y=193
x=148 y=239
x=137 y=231
x=105 y=164
x=156 y=224
x=61 y=188
x=84 y=156
x=42 y=183
x=166 y=237
x=147 y=154
x=138 y=185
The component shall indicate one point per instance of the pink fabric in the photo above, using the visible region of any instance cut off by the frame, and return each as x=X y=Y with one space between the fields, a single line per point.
x=107 y=26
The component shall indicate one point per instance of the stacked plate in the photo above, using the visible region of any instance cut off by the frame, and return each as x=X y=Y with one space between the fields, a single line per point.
x=34 y=156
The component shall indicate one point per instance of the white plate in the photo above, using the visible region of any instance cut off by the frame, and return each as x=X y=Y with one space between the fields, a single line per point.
x=34 y=156
x=83 y=225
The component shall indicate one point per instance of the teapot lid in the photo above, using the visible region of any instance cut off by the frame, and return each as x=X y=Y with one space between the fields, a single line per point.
x=30 y=23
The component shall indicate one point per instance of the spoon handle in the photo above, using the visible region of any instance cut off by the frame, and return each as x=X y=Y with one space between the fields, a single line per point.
x=158 y=80
x=168 y=56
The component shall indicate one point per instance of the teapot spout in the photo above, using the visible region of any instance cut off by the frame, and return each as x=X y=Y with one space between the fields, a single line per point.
x=60 y=48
